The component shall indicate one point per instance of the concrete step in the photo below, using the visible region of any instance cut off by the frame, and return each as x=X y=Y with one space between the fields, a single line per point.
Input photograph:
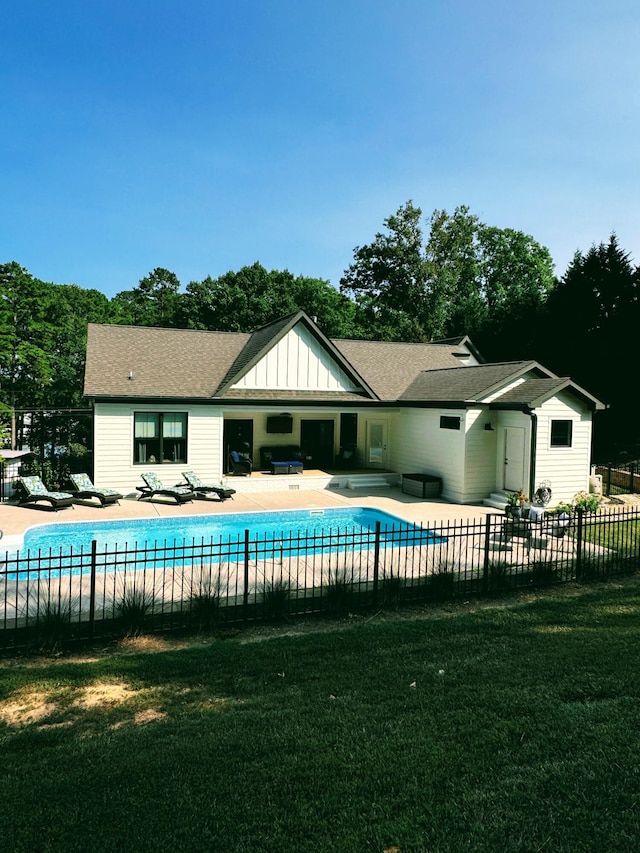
x=368 y=481
x=497 y=500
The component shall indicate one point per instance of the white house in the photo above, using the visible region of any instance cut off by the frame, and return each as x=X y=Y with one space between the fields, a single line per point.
x=171 y=399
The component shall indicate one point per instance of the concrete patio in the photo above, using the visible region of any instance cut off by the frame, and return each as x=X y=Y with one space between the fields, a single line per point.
x=14 y=520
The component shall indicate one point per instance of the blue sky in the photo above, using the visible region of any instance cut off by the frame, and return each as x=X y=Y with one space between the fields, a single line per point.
x=204 y=135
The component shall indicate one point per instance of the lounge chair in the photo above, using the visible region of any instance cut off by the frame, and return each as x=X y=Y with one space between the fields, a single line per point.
x=195 y=483
x=31 y=490
x=153 y=486
x=85 y=489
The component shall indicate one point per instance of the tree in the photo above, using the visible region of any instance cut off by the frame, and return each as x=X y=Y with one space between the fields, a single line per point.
x=252 y=297
x=154 y=302
x=388 y=280
x=591 y=320
x=468 y=278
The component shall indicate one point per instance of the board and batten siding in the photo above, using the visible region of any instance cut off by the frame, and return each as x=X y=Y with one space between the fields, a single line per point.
x=567 y=468
x=420 y=446
x=297 y=362
x=113 y=446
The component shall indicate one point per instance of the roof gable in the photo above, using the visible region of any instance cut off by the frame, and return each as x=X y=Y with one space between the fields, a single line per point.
x=472 y=384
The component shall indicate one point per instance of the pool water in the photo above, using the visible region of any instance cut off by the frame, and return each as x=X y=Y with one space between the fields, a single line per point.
x=150 y=532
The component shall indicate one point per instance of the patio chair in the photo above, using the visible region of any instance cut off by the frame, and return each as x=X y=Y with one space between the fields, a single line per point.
x=154 y=487
x=31 y=490
x=195 y=483
x=84 y=489
x=239 y=464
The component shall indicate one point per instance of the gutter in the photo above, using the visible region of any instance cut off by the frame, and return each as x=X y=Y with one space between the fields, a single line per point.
x=532 y=460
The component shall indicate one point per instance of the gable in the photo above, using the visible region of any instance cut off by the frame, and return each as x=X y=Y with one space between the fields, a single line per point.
x=297 y=362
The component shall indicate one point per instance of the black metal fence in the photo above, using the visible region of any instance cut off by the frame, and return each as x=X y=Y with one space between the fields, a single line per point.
x=620 y=479
x=47 y=599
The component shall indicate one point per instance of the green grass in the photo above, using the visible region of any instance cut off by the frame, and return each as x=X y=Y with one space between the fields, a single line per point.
x=496 y=726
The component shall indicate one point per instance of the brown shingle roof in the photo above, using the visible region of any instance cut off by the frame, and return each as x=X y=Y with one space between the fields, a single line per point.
x=464 y=384
x=390 y=367
x=185 y=364
x=534 y=392
x=172 y=363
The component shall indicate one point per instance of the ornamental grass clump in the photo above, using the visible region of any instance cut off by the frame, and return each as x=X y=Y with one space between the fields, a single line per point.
x=52 y=625
x=203 y=603
x=132 y=611
x=275 y=595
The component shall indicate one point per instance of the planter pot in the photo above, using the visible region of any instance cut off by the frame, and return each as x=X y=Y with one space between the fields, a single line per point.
x=513 y=511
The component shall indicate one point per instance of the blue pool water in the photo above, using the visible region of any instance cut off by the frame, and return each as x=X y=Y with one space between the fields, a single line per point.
x=110 y=535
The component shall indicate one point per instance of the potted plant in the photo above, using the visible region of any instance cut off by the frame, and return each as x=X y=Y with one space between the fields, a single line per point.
x=513 y=507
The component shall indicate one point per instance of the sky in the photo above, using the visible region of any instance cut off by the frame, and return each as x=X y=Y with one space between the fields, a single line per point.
x=205 y=135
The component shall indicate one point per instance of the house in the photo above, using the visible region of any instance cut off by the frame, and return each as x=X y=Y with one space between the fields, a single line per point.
x=166 y=399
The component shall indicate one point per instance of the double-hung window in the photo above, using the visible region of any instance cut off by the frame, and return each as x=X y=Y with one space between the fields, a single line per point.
x=159 y=437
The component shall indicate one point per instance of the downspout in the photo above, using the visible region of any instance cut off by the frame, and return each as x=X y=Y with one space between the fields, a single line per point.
x=532 y=461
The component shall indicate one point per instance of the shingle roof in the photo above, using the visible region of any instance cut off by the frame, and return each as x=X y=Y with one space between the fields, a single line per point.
x=464 y=384
x=172 y=363
x=534 y=392
x=184 y=364
x=390 y=367
x=190 y=364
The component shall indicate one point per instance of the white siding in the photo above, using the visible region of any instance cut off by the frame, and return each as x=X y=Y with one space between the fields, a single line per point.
x=481 y=450
x=298 y=362
x=113 y=445
x=418 y=445
x=567 y=468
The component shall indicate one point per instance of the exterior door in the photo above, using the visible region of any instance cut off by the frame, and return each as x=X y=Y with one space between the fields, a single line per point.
x=376 y=451
x=238 y=436
x=316 y=439
x=514 y=459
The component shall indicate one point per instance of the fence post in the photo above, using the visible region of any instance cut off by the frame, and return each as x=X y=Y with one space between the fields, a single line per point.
x=92 y=588
x=376 y=563
x=245 y=592
x=632 y=468
x=609 y=480
x=485 y=567
x=579 y=535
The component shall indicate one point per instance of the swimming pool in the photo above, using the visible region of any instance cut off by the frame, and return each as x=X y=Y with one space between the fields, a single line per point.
x=154 y=532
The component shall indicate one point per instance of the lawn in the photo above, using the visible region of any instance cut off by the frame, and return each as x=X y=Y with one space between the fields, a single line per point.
x=505 y=726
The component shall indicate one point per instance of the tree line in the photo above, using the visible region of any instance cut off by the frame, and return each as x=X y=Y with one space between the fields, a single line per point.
x=414 y=283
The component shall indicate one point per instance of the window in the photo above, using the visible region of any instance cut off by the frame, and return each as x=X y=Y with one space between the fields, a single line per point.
x=449 y=422
x=159 y=437
x=561 y=433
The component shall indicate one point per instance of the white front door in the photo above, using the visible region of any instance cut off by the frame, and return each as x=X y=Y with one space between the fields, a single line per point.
x=514 y=459
x=376 y=444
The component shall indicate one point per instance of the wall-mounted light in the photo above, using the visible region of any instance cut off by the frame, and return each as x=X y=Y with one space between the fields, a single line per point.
x=131 y=374
x=488 y=427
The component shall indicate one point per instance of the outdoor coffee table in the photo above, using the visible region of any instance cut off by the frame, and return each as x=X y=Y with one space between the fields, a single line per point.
x=286 y=467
